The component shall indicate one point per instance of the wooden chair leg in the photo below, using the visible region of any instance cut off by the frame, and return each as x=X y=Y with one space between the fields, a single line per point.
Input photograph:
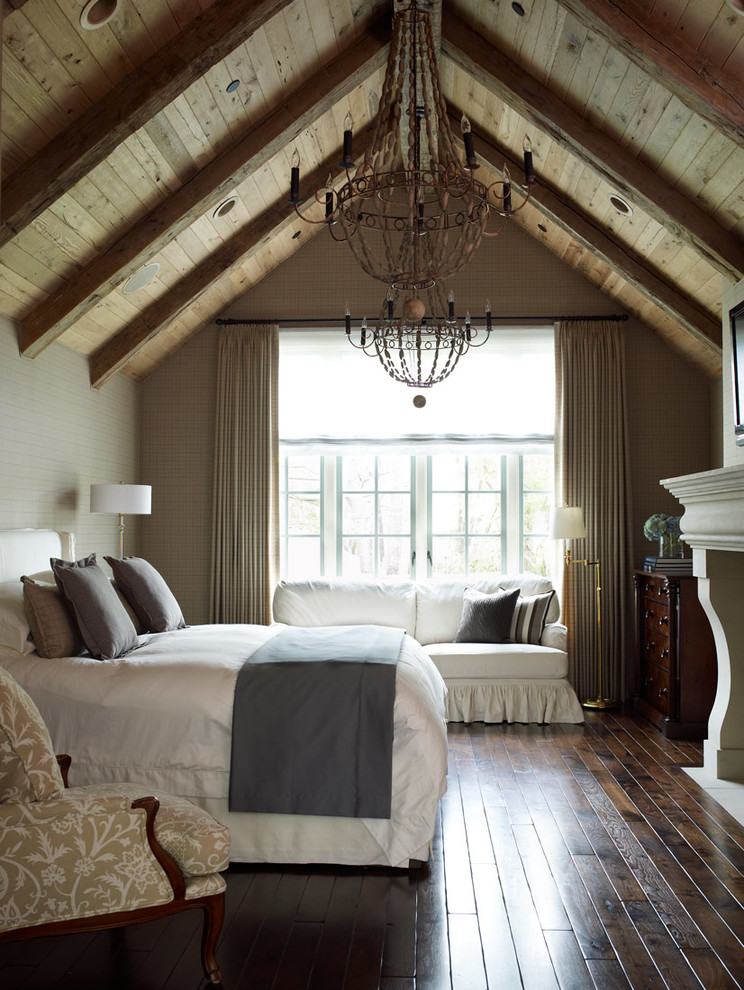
x=214 y=915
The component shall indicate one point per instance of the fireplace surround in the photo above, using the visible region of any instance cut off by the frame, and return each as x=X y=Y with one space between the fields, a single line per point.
x=713 y=525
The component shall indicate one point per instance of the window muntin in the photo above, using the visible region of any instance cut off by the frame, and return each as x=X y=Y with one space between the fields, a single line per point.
x=376 y=513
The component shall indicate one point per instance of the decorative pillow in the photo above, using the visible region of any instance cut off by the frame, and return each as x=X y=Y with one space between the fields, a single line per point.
x=486 y=618
x=147 y=593
x=53 y=628
x=528 y=621
x=14 y=628
x=139 y=626
x=102 y=620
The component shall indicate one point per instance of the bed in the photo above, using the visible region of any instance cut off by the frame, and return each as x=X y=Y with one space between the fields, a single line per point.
x=161 y=717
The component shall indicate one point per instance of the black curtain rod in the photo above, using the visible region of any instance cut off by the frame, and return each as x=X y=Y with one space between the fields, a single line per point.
x=615 y=318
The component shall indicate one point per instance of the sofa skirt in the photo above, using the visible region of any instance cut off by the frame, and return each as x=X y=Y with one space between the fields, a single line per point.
x=506 y=700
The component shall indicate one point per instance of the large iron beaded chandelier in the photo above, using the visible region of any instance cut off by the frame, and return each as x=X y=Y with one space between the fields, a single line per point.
x=412 y=211
x=419 y=351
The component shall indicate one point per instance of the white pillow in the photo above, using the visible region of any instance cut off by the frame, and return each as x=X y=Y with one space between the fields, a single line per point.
x=14 y=629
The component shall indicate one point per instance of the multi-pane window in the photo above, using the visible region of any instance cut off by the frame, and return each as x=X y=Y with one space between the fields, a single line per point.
x=366 y=514
x=536 y=497
x=466 y=497
x=375 y=517
x=301 y=519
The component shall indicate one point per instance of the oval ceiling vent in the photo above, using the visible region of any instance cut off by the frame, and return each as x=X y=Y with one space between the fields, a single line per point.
x=141 y=278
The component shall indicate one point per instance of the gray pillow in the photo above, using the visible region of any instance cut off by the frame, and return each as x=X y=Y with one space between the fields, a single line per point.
x=148 y=594
x=486 y=618
x=102 y=620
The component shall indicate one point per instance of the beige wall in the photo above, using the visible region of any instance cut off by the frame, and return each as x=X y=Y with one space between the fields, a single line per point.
x=57 y=437
x=177 y=429
x=671 y=406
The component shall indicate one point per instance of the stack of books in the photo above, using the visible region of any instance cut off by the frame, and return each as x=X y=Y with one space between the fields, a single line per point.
x=668 y=565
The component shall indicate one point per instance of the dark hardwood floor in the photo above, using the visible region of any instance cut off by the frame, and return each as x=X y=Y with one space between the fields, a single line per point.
x=567 y=857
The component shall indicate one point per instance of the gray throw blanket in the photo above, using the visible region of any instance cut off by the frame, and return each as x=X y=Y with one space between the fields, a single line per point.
x=313 y=723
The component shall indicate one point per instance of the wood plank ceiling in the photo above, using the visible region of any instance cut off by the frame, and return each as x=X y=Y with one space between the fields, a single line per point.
x=118 y=145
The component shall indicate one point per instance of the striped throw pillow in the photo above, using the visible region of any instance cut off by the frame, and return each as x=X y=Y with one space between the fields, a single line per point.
x=528 y=621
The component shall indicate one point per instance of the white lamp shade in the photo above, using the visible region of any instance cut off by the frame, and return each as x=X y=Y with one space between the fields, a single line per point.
x=567 y=523
x=124 y=499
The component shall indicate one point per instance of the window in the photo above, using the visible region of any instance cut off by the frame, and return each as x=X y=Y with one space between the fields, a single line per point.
x=375 y=514
x=372 y=486
x=301 y=519
x=414 y=516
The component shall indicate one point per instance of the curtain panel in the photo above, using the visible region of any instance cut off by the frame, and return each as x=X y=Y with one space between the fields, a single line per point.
x=593 y=472
x=245 y=526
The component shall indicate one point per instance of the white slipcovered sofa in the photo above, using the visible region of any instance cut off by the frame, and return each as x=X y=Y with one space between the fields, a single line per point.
x=489 y=682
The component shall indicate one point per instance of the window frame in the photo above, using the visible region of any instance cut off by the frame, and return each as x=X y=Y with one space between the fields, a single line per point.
x=421 y=557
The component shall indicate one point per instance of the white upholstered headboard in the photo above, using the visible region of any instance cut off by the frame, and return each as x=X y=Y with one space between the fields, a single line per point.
x=27 y=551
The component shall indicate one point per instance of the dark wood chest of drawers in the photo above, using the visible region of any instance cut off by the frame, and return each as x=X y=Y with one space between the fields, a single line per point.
x=675 y=655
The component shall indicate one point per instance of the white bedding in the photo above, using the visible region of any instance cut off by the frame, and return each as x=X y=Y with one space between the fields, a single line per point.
x=161 y=717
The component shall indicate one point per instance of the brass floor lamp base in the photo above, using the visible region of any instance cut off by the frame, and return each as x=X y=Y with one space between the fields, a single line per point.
x=603 y=703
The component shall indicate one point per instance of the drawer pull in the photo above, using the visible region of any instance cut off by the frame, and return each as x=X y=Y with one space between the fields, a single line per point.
x=664 y=620
x=664 y=653
x=648 y=614
x=662 y=692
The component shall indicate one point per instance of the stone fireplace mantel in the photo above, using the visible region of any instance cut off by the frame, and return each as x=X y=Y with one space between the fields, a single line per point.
x=713 y=525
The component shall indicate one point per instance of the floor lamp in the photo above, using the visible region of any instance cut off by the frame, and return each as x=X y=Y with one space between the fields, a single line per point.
x=123 y=500
x=567 y=523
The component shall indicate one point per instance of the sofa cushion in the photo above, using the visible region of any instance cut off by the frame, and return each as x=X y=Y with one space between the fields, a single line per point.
x=343 y=603
x=439 y=602
x=486 y=618
x=486 y=661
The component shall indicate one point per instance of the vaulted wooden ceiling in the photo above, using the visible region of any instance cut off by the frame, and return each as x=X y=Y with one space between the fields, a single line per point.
x=118 y=145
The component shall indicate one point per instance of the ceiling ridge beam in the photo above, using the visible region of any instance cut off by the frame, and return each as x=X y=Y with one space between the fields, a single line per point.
x=158 y=316
x=133 y=101
x=641 y=184
x=711 y=93
x=622 y=259
x=78 y=295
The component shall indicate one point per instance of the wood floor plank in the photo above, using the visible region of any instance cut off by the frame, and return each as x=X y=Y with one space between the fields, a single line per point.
x=637 y=964
x=399 y=955
x=710 y=970
x=499 y=954
x=529 y=942
x=568 y=962
x=565 y=857
x=466 y=952
x=671 y=963
x=333 y=949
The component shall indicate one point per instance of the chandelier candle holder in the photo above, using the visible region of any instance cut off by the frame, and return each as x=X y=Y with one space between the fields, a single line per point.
x=412 y=211
x=414 y=349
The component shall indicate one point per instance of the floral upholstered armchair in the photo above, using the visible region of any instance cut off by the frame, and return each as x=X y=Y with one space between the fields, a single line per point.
x=85 y=858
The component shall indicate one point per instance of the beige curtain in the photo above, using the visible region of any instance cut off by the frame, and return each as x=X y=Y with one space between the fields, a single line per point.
x=245 y=529
x=592 y=471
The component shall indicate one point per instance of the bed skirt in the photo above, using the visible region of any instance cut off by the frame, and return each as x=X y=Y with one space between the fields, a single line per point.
x=268 y=838
x=540 y=701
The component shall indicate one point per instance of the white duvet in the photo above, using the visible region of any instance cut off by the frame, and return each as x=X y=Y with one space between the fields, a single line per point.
x=161 y=717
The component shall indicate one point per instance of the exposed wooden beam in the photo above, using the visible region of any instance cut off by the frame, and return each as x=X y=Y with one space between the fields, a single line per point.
x=640 y=184
x=619 y=257
x=110 y=358
x=210 y=186
x=128 y=106
x=714 y=94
